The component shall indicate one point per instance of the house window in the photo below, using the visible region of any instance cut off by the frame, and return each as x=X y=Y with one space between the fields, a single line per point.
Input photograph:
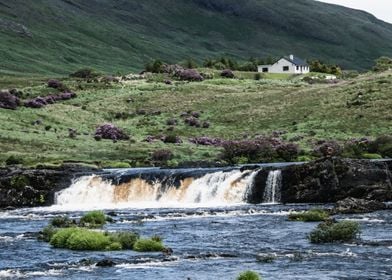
x=265 y=69
x=297 y=67
x=285 y=68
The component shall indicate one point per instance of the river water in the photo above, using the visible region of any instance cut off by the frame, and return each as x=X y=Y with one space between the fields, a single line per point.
x=213 y=232
x=207 y=243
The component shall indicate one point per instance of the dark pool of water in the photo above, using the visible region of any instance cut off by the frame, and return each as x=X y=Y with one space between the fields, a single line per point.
x=207 y=244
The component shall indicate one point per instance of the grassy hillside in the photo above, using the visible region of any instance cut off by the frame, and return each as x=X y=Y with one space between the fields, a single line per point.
x=59 y=36
x=234 y=108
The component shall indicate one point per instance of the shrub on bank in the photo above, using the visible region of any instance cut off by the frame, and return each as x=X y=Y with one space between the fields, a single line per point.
x=111 y=132
x=47 y=233
x=249 y=275
x=60 y=238
x=330 y=232
x=83 y=239
x=126 y=239
x=62 y=222
x=148 y=245
x=313 y=215
x=162 y=155
x=8 y=101
x=93 y=219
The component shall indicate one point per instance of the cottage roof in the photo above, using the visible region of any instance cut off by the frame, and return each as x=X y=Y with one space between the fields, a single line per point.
x=296 y=60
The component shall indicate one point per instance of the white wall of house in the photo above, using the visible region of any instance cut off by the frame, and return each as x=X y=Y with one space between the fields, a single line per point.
x=283 y=66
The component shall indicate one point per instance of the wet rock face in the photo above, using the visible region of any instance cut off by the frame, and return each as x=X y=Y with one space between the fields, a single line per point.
x=333 y=179
x=352 y=205
x=21 y=187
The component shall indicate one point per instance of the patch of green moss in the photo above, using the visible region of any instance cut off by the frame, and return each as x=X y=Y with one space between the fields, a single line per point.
x=313 y=215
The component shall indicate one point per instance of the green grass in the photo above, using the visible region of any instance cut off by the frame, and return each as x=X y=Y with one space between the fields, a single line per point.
x=234 y=108
x=249 y=275
x=148 y=245
x=139 y=32
x=313 y=215
x=331 y=232
x=93 y=219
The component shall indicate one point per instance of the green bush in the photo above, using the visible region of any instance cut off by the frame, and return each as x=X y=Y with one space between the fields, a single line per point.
x=84 y=239
x=62 y=222
x=371 y=156
x=126 y=239
x=93 y=219
x=60 y=238
x=329 y=232
x=313 y=215
x=249 y=275
x=382 y=145
x=85 y=73
x=47 y=233
x=148 y=245
x=13 y=160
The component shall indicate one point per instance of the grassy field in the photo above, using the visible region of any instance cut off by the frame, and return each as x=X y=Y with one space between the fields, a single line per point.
x=234 y=108
x=114 y=36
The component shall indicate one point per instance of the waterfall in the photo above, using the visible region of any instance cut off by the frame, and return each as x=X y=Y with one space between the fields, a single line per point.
x=272 y=191
x=213 y=189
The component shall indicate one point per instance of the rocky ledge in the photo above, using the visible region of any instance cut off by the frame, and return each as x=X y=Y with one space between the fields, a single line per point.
x=329 y=181
x=22 y=187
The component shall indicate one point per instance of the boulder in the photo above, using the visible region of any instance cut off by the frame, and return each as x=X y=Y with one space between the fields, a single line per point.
x=352 y=205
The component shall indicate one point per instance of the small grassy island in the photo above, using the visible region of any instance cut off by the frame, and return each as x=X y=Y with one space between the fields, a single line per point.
x=84 y=235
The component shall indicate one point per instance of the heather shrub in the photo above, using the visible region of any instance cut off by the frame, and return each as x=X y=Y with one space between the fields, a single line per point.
x=56 y=84
x=162 y=155
x=354 y=148
x=126 y=239
x=253 y=150
x=172 y=139
x=62 y=222
x=227 y=73
x=313 y=215
x=192 y=121
x=93 y=219
x=148 y=245
x=249 y=275
x=328 y=149
x=171 y=122
x=206 y=141
x=109 y=131
x=8 y=101
x=382 y=145
x=189 y=75
x=85 y=73
x=287 y=151
x=330 y=231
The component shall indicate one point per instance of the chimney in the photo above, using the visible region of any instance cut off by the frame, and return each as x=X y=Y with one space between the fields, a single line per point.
x=291 y=56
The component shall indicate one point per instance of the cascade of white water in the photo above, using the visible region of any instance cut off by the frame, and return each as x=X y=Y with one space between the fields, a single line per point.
x=219 y=188
x=272 y=191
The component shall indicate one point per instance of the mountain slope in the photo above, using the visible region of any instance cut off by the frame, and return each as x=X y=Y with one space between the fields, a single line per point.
x=58 y=36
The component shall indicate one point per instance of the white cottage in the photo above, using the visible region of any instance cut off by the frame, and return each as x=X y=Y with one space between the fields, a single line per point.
x=286 y=65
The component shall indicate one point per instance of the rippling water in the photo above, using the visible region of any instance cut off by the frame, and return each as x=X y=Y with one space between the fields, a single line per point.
x=208 y=243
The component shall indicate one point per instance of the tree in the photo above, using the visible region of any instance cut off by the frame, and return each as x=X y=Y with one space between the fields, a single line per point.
x=383 y=63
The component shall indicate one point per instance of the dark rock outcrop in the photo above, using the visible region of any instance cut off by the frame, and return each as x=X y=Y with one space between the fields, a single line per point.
x=352 y=205
x=330 y=180
x=21 y=187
